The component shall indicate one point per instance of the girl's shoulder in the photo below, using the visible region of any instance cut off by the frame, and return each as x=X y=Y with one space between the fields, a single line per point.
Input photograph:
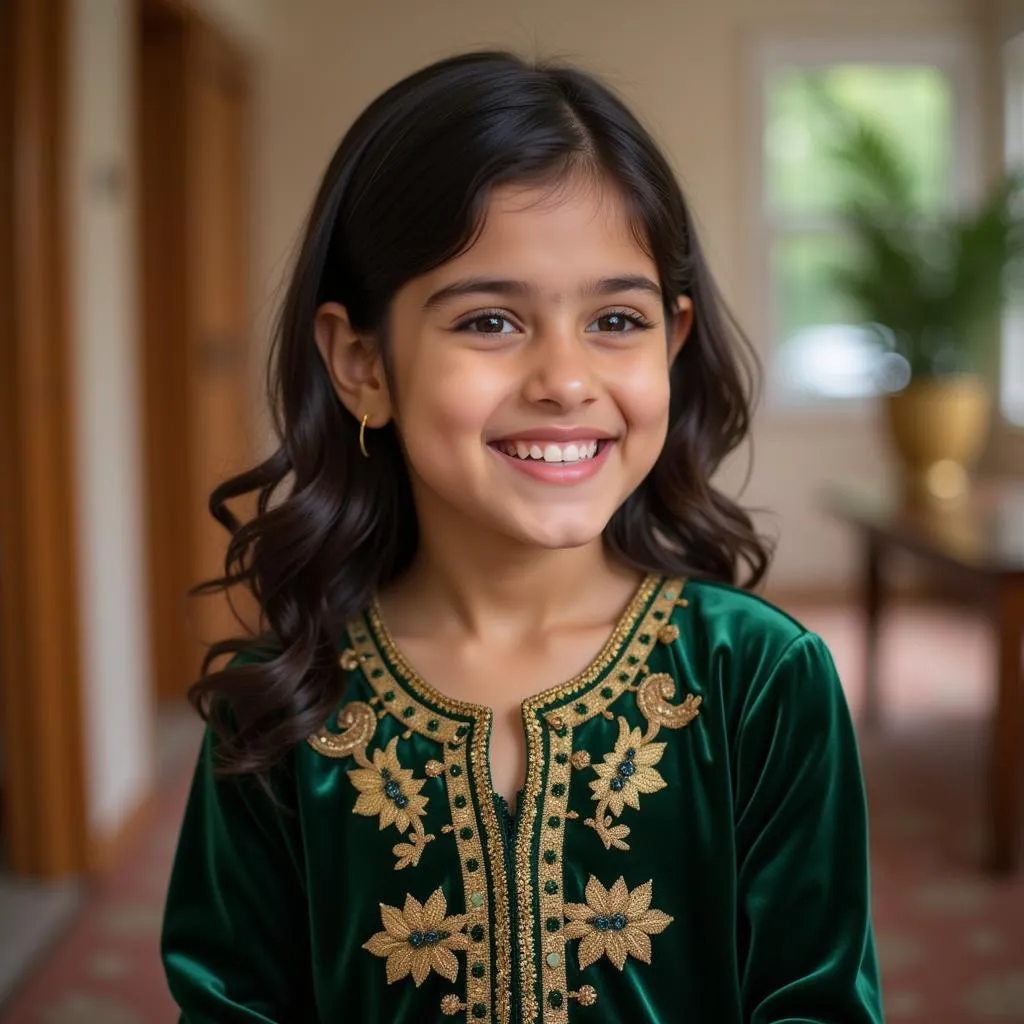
x=747 y=649
x=718 y=611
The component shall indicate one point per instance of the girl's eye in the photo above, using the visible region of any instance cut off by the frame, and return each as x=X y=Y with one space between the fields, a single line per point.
x=621 y=321
x=491 y=324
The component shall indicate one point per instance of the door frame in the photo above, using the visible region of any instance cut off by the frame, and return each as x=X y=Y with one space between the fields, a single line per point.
x=176 y=45
x=44 y=798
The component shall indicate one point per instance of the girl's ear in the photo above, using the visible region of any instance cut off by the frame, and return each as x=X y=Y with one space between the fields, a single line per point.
x=353 y=364
x=680 y=327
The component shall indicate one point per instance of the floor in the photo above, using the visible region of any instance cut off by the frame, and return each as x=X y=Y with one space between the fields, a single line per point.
x=951 y=940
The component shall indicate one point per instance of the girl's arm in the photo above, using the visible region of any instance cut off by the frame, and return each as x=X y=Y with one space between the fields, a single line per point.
x=235 y=941
x=807 y=949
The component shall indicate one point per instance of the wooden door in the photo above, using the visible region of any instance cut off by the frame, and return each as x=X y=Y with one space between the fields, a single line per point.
x=219 y=363
x=193 y=162
x=44 y=819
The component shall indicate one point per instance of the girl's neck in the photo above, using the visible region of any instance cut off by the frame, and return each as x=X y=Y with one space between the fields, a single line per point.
x=479 y=590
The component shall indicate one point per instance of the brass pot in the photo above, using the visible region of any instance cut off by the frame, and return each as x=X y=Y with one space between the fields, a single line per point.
x=939 y=427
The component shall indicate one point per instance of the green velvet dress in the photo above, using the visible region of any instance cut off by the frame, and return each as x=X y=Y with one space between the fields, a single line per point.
x=690 y=844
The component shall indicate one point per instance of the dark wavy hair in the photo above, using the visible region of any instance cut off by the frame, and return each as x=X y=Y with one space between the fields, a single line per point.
x=406 y=191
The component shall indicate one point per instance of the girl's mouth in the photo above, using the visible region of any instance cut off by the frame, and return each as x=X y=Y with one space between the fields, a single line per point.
x=571 y=462
x=550 y=452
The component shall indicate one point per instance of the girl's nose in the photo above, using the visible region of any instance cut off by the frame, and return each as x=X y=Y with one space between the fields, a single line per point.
x=559 y=372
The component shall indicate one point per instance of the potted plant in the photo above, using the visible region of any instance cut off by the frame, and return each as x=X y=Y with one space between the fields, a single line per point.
x=933 y=287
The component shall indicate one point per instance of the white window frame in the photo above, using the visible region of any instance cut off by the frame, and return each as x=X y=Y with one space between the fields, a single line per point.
x=1011 y=368
x=958 y=59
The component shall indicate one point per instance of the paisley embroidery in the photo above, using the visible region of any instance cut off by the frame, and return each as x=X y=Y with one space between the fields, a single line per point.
x=615 y=923
x=652 y=698
x=419 y=939
x=629 y=770
x=357 y=722
x=386 y=790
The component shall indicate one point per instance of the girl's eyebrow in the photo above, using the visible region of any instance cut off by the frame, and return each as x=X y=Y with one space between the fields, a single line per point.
x=500 y=286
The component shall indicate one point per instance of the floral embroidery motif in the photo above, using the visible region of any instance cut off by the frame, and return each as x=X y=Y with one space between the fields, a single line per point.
x=615 y=923
x=390 y=792
x=386 y=789
x=622 y=776
x=419 y=939
x=629 y=770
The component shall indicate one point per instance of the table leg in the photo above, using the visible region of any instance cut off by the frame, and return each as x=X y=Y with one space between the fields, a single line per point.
x=872 y=598
x=1008 y=728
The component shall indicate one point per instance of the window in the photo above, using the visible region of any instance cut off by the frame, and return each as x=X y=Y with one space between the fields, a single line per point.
x=818 y=350
x=1012 y=368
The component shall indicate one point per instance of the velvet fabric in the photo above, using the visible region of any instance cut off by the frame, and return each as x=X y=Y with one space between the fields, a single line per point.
x=690 y=844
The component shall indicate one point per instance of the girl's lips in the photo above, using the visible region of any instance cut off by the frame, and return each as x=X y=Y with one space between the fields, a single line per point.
x=558 y=472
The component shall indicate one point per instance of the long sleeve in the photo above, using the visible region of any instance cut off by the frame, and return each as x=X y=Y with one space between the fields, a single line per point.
x=235 y=940
x=806 y=946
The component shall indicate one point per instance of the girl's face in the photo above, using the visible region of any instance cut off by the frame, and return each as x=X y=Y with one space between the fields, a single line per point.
x=530 y=374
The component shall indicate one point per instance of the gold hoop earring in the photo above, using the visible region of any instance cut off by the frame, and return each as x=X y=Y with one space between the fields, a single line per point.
x=362 y=436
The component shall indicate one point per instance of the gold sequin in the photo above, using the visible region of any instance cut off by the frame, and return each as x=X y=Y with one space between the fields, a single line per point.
x=587 y=995
x=668 y=633
x=349 y=660
x=580 y=759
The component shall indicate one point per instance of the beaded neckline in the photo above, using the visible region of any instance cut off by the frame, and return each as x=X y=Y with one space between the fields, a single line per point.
x=626 y=624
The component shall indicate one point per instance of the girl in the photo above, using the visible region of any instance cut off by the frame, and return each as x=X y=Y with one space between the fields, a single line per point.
x=511 y=747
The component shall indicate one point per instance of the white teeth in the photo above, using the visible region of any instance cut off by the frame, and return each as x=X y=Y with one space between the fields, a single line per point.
x=573 y=452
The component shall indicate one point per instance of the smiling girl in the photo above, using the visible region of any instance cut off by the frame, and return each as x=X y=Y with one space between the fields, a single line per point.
x=515 y=743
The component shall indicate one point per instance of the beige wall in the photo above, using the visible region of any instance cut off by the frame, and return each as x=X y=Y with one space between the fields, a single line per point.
x=684 y=64
x=117 y=694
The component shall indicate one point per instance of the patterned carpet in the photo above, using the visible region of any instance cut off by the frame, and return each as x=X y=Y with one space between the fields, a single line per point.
x=951 y=940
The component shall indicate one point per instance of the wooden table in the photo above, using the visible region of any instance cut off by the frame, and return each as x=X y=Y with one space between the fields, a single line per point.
x=981 y=542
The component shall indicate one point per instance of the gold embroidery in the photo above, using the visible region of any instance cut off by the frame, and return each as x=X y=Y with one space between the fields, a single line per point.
x=409 y=853
x=615 y=923
x=628 y=663
x=628 y=770
x=587 y=995
x=357 y=722
x=462 y=740
x=413 y=707
x=669 y=633
x=616 y=668
x=580 y=759
x=652 y=698
x=419 y=939
x=392 y=793
x=622 y=776
x=349 y=660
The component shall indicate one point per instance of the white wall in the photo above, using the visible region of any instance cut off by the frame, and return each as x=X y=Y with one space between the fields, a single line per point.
x=117 y=691
x=684 y=65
